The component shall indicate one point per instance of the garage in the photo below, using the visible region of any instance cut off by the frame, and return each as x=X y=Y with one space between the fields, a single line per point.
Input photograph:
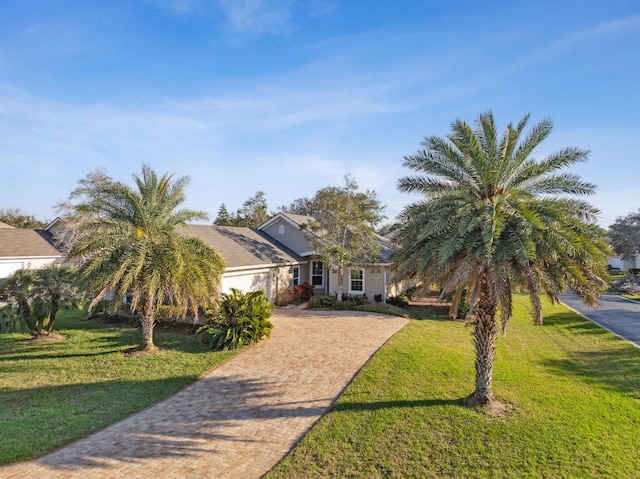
x=246 y=281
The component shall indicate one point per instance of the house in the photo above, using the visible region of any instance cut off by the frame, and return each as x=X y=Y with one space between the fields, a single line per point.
x=618 y=263
x=275 y=256
x=22 y=248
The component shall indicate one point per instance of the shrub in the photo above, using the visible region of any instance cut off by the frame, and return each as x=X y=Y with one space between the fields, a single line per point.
x=322 y=301
x=284 y=297
x=398 y=301
x=409 y=292
x=307 y=290
x=241 y=320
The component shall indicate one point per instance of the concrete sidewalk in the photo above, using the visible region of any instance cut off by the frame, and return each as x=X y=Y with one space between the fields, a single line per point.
x=241 y=418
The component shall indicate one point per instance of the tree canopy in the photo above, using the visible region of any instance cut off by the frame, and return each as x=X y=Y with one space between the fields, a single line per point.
x=625 y=235
x=18 y=218
x=344 y=226
x=494 y=219
x=223 y=218
x=251 y=214
x=128 y=244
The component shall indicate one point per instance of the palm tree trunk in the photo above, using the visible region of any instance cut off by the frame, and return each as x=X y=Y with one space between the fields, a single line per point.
x=485 y=335
x=147 y=321
x=55 y=306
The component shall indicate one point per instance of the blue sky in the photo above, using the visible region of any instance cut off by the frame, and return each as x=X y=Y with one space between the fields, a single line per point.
x=288 y=96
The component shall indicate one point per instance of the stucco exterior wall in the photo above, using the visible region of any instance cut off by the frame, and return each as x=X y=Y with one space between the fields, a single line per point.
x=373 y=282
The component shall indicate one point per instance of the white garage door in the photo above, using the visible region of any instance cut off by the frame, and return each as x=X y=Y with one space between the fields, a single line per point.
x=6 y=269
x=245 y=283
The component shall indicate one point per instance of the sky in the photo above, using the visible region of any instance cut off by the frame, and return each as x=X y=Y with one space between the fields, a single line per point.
x=289 y=96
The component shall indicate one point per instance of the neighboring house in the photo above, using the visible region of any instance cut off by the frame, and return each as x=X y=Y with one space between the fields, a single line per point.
x=616 y=262
x=22 y=248
x=370 y=279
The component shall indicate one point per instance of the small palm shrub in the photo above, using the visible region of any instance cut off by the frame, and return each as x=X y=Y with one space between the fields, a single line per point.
x=241 y=320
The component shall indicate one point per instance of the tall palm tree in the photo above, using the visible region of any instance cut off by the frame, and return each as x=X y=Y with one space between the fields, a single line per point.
x=494 y=219
x=130 y=244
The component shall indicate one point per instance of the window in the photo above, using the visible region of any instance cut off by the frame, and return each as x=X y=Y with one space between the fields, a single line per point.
x=281 y=229
x=356 y=281
x=295 y=276
x=317 y=276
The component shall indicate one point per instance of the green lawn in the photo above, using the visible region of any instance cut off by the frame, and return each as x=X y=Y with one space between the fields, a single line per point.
x=54 y=393
x=575 y=391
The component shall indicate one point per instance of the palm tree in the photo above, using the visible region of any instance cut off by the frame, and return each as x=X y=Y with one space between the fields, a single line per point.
x=494 y=219
x=55 y=288
x=130 y=244
x=18 y=313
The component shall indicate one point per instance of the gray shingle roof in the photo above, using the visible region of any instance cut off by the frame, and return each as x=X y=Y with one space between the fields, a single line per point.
x=241 y=246
x=22 y=242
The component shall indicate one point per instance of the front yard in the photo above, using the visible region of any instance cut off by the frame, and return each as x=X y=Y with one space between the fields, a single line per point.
x=54 y=393
x=574 y=387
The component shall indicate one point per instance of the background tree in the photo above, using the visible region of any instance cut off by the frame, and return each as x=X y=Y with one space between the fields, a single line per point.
x=85 y=203
x=20 y=219
x=223 y=218
x=253 y=211
x=625 y=235
x=494 y=219
x=344 y=227
x=300 y=206
x=128 y=242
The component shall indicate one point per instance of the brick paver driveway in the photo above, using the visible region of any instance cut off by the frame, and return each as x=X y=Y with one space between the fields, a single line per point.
x=241 y=418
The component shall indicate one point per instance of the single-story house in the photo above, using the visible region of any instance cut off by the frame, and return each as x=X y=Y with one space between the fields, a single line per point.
x=278 y=255
x=22 y=248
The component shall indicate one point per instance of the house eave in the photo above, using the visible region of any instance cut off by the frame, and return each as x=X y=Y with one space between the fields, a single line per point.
x=262 y=267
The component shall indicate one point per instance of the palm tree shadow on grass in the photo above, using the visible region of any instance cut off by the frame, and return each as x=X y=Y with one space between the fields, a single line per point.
x=211 y=409
x=377 y=405
x=616 y=368
x=573 y=322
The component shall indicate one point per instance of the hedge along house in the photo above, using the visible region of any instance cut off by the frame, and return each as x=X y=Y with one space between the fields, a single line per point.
x=22 y=248
x=372 y=280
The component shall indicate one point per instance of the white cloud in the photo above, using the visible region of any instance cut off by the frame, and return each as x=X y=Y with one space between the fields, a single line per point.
x=257 y=16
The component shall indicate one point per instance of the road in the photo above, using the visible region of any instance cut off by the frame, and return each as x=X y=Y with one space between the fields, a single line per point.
x=619 y=315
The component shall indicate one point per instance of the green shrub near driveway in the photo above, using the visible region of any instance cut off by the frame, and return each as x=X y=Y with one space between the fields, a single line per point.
x=241 y=320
